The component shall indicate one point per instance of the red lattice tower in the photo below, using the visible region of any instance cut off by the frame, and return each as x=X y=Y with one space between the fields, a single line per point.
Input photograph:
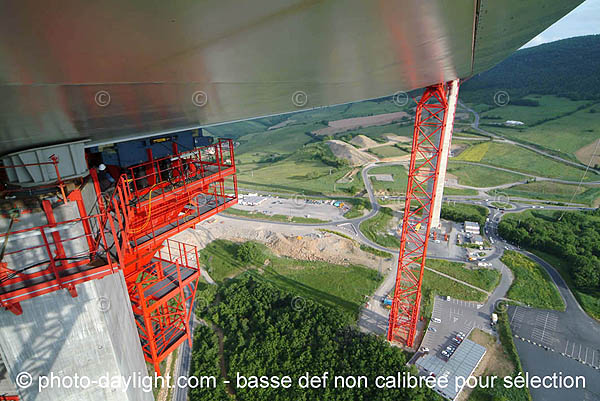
x=427 y=148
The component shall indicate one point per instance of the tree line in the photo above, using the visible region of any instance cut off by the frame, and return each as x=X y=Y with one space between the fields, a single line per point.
x=571 y=236
x=271 y=332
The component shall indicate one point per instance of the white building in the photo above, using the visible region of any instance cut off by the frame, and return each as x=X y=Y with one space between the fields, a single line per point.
x=472 y=227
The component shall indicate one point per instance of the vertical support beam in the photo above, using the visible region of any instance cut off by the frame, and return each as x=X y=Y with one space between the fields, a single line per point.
x=443 y=162
x=427 y=147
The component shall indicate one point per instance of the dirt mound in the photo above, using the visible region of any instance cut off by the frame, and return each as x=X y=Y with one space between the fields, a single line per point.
x=397 y=138
x=363 y=141
x=348 y=152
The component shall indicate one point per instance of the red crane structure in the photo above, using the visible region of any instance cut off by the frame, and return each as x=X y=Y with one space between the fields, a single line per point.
x=434 y=113
x=129 y=231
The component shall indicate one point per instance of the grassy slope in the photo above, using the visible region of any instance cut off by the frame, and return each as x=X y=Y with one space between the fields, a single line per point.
x=486 y=279
x=532 y=285
x=387 y=151
x=479 y=176
x=334 y=285
x=589 y=301
x=376 y=229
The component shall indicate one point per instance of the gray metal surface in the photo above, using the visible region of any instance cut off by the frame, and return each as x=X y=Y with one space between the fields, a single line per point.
x=113 y=69
x=71 y=164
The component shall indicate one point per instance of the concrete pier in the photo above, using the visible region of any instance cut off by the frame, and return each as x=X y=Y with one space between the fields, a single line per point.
x=92 y=335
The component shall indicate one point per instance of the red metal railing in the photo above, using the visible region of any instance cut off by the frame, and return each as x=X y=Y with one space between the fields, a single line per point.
x=55 y=261
x=162 y=297
x=58 y=182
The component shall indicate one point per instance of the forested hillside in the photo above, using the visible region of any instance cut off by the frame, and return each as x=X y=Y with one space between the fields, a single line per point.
x=273 y=333
x=568 y=68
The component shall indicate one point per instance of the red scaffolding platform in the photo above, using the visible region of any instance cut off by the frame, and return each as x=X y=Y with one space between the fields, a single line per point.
x=427 y=147
x=131 y=231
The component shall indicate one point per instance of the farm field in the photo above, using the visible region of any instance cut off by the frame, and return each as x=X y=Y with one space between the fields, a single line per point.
x=565 y=134
x=297 y=175
x=549 y=107
x=556 y=192
x=522 y=160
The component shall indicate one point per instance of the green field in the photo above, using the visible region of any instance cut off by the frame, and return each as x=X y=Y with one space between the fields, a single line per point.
x=549 y=107
x=342 y=287
x=532 y=284
x=434 y=284
x=296 y=175
x=461 y=212
x=387 y=151
x=567 y=130
x=525 y=161
x=556 y=192
x=339 y=286
x=486 y=279
x=398 y=186
x=481 y=176
x=376 y=229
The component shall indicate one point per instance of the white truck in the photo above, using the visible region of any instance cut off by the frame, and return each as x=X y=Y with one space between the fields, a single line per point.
x=494 y=318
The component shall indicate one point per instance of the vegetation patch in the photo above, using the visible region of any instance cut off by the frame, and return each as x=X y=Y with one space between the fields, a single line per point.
x=376 y=229
x=340 y=286
x=474 y=153
x=272 y=217
x=461 y=212
x=481 y=176
x=532 y=284
x=486 y=279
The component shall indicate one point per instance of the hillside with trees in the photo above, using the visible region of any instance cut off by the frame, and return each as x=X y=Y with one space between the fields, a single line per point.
x=572 y=237
x=567 y=68
x=274 y=333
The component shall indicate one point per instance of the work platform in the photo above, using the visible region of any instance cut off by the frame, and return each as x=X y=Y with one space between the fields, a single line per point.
x=90 y=236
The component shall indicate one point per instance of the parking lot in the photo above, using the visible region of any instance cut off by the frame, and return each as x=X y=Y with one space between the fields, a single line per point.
x=548 y=329
x=454 y=316
x=296 y=207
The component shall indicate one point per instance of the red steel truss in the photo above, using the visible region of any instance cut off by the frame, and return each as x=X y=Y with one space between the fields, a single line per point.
x=428 y=138
x=150 y=204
